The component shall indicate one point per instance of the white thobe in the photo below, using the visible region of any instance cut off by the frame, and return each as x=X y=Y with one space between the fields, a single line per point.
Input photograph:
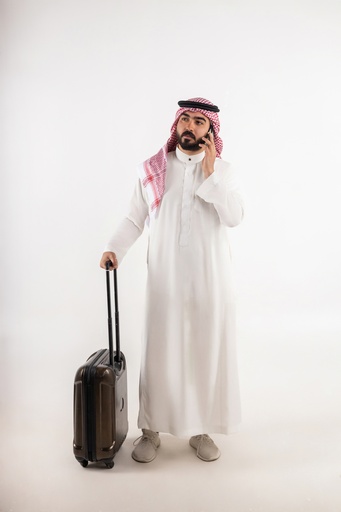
x=189 y=380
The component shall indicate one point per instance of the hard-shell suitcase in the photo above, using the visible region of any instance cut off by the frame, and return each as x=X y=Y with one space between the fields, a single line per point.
x=100 y=408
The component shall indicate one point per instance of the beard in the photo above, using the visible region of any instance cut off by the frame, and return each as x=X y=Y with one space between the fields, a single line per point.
x=190 y=143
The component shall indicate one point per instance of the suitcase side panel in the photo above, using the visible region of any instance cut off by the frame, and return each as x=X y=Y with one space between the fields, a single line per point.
x=79 y=417
x=111 y=411
x=104 y=414
x=83 y=390
x=121 y=406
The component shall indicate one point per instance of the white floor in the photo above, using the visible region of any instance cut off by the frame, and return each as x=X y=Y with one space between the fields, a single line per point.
x=287 y=458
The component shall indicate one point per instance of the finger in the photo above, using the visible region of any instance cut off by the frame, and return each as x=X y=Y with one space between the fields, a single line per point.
x=210 y=144
x=109 y=256
x=209 y=147
x=114 y=262
x=206 y=142
x=207 y=139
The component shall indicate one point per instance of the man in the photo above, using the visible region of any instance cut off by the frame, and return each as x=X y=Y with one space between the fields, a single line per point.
x=189 y=198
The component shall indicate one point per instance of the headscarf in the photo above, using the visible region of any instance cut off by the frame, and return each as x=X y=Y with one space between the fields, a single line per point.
x=153 y=171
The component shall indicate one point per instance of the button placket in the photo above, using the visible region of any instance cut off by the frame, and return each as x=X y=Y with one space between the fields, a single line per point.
x=186 y=205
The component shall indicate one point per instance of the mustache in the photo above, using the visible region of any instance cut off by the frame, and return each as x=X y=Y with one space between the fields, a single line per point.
x=188 y=134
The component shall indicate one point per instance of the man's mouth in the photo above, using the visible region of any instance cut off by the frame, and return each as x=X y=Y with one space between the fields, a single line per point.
x=188 y=135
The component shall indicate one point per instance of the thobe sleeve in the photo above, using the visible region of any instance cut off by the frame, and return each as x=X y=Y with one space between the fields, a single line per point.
x=221 y=189
x=131 y=227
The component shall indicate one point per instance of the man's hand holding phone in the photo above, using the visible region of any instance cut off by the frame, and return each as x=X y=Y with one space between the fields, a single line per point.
x=210 y=154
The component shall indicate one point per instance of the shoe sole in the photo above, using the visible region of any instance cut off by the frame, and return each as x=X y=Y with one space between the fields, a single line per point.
x=208 y=460
x=202 y=458
x=142 y=461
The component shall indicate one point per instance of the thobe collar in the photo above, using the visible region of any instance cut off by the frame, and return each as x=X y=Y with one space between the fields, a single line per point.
x=189 y=159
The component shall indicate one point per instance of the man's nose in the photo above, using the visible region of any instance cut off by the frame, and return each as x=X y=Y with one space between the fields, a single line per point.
x=190 y=125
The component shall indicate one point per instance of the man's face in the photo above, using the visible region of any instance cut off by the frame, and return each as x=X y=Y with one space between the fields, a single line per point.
x=191 y=127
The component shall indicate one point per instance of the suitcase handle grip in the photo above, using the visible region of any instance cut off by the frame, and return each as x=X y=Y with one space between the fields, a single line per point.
x=118 y=358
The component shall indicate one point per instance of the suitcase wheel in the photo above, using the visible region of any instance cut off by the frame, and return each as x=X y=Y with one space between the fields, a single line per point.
x=110 y=464
x=83 y=463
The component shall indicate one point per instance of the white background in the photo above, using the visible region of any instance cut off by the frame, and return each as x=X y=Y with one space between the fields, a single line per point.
x=88 y=90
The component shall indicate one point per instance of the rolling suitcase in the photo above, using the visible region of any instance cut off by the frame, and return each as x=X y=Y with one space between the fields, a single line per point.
x=100 y=408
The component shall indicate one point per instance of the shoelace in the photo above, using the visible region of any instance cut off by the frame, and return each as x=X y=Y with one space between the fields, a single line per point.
x=144 y=438
x=206 y=438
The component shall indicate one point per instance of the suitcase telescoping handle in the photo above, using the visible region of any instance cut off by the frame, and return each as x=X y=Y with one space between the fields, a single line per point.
x=117 y=359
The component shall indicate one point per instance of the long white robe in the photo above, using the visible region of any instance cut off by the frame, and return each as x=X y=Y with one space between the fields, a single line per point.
x=189 y=379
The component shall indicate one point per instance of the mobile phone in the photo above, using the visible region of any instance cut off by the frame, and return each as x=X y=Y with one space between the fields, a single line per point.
x=211 y=131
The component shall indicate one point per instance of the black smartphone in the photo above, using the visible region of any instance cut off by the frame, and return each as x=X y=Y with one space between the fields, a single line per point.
x=211 y=130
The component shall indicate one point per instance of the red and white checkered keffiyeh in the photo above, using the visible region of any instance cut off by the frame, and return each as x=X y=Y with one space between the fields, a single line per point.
x=153 y=170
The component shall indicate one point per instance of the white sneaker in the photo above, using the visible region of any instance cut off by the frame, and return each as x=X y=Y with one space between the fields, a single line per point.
x=205 y=447
x=146 y=447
